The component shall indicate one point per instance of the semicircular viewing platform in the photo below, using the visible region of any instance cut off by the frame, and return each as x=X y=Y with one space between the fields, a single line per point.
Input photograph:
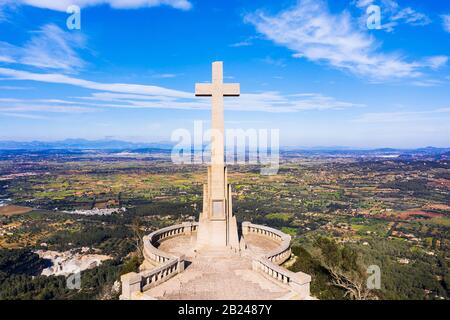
x=174 y=270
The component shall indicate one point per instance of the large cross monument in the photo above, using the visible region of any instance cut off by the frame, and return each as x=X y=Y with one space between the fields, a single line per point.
x=194 y=261
x=217 y=224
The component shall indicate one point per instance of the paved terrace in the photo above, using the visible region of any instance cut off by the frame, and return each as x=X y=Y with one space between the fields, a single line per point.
x=174 y=270
x=220 y=275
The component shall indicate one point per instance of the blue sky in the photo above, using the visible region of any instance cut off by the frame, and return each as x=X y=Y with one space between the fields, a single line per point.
x=309 y=68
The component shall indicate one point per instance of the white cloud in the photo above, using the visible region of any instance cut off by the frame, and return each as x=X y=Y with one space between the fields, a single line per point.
x=23 y=115
x=412 y=17
x=435 y=62
x=31 y=106
x=446 y=22
x=245 y=42
x=52 y=48
x=273 y=102
x=241 y=44
x=5 y=7
x=7 y=52
x=275 y=62
x=427 y=83
x=62 y=5
x=363 y=3
x=122 y=95
x=312 y=32
x=49 y=48
x=112 y=87
x=389 y=5
x=164 y=75
x=403 y=116
x=276 y=102
x=14 y=88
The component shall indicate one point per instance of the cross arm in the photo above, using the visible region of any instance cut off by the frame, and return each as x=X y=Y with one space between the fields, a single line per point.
x=231 y=89
x=227 y=89
x=203 y=89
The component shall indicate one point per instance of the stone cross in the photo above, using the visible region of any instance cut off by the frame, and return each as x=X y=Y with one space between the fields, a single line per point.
x=217 y=90
x=217 y=224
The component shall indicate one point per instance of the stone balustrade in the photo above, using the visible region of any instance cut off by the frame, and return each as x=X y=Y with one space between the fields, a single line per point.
x=269 y=263
x=168 y=265
x=162 y=273
x=298 y=281
x=282 y=252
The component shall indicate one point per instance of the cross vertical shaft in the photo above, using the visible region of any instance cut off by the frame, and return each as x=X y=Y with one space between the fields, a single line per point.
x=217 y=116
x=217 y=90
x=217 y=225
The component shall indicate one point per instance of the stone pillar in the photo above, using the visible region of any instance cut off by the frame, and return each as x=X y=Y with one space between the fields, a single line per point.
x=300 y=283
x=187 y=228
x=131 y=284
x=245 y=227
x=181 y=263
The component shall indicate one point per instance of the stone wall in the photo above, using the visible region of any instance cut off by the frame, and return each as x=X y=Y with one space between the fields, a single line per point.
x=134 y=283
x=269 y=263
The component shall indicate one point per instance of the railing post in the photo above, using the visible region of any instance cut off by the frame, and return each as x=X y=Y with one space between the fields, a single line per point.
x=245 y=227
x=187 y=228
x=131 y=284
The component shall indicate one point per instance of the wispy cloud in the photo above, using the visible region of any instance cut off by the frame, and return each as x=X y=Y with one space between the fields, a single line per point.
x=2 y=13
x=23 y=115
x=245 y=43
x=62 y=5
x=312 y=32
x=8 y=52
x=49 y=48
x=274 y=62
x=273 y=102
x=52 y=48
x=446 y=22
x=5 y=7
x=44 y=105
x=277 y=102
x=164 y=75
x=390 y=5
x=14 y=88
x=122 y=95
x=112 y=87
x=411 y=17
x=404 y=116
x=435 y=62
x=427 y=83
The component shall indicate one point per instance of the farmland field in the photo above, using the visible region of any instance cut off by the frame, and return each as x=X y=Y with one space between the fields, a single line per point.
x=102 y=204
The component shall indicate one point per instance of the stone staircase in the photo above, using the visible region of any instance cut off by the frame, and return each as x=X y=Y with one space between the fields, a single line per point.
x=219 y=275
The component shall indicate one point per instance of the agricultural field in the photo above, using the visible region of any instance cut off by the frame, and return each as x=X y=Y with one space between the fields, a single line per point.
x=391 y=213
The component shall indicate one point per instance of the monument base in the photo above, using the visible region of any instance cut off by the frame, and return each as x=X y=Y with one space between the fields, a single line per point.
x=218 y=234
x=212 y=234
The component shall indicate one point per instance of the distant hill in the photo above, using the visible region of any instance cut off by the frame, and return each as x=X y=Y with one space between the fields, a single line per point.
x=75 y=146
x=82 y=144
